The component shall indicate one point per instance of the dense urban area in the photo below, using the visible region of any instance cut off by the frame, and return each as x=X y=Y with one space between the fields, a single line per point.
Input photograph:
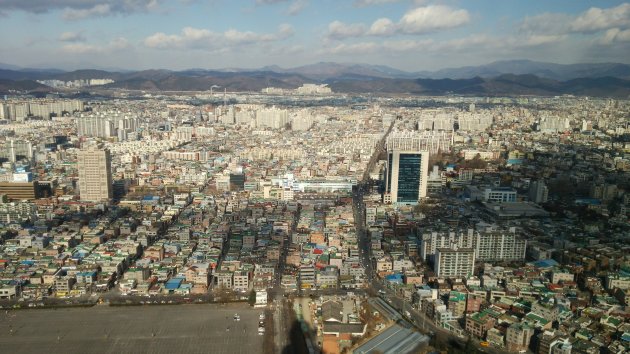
x=311 y=221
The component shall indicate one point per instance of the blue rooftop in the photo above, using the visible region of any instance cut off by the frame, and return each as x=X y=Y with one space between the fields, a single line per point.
x=394 y=278
x=173 y=283
x=545 y=263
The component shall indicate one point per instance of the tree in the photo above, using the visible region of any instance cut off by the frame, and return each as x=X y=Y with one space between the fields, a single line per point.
x=252 y=298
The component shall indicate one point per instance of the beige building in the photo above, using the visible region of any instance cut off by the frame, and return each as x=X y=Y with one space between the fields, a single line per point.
x=454 y=262
x=517 y=337
x=95 y=174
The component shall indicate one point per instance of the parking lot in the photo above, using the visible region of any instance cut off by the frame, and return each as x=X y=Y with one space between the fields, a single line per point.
x=135 y=329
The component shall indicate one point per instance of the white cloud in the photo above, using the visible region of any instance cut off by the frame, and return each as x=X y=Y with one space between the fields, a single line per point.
x=364 y=3
x=542 y=39
x=433 y=18
x=590 y=21
x=340 y=30
x=71 y=37
x=195 y=38
x=615 y=35
x=596 y=19
x=420 y=20
x=268 y=2
x=382 y=27
x=81 y=9
x=114 y=45
x=79 y=14
x=379 y=47
x=546 y=23
x=285 y=31
x=115 y=6
x=296 y=7
x=408 y=45
x=355 y=48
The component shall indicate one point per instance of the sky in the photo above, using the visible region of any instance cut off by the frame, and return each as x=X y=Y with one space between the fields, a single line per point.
x=411 y=35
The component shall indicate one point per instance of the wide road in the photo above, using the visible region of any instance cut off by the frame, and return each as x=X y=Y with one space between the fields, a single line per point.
x=200 y=328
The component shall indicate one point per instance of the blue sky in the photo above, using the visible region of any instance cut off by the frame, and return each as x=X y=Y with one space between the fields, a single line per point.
x=410 y=35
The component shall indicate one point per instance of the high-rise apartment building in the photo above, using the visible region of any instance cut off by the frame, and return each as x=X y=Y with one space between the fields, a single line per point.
x=406 y=178
x=106 y=125
x=95 y=174
x=489 y=244
x=454 y=262
x=538 y=192
x=432 y=141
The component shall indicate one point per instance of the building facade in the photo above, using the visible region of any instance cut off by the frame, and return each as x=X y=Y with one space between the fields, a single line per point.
x=95 y=174
x=407 y=174
x=454 y=262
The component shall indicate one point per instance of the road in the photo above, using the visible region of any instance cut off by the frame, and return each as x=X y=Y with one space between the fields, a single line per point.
x=418 y=319
x=280 y=330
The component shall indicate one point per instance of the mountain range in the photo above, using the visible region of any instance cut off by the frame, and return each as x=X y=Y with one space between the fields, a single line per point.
x=514 y=77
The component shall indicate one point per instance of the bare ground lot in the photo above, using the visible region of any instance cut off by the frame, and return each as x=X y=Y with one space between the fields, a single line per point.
x=133 y=329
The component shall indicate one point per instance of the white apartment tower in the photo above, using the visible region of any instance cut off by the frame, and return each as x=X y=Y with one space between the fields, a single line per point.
x=454 y=262
x=95 y=174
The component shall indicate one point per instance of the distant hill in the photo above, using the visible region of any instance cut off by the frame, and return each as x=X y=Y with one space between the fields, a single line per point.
x=527 y=67
x=22 y=85
x=502 y=85
x=329 y=70
x=515 y=77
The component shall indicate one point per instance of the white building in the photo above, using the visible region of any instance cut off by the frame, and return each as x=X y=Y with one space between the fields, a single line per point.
x=261 y=298
x=454 y=262
x=499 y=195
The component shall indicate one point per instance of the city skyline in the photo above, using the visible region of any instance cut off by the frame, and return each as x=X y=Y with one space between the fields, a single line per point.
x=408 y=35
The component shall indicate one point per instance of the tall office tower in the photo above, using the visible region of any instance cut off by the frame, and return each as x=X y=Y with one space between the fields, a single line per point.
x=406 y=178
x=95 y=174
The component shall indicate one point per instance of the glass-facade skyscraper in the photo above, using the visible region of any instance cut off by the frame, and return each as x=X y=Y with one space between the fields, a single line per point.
x=406 y=178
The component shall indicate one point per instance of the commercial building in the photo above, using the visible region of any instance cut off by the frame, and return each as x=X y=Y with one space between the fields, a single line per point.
x=406 y=178
x=95 y=174
x=20 y=190
x=499 y=195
